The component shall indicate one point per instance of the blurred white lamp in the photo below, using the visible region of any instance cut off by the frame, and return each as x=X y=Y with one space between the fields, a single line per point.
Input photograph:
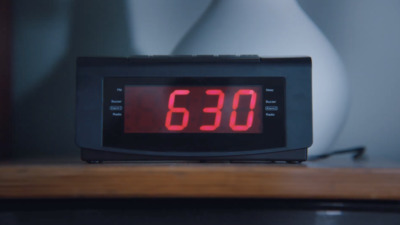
x=277 y=28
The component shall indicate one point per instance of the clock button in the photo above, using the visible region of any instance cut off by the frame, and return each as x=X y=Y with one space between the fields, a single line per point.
x=271 y=108
x=270 y=101
x=116 y=108
x=116 y=114
x=116 y=101
x=269 y=90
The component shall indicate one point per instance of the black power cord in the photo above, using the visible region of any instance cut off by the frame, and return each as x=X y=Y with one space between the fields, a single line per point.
x=358 y=153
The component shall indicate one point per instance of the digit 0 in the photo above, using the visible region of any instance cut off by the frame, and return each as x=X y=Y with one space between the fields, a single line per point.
x=172 y=109
x=250 y=115
x=216 y=110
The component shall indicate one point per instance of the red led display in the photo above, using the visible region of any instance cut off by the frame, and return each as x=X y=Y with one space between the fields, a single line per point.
x=192 y=109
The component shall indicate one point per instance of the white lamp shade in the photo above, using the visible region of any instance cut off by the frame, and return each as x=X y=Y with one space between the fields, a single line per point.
x=277 y=29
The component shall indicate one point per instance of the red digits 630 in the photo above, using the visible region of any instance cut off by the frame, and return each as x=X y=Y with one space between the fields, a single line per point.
x=215 y=110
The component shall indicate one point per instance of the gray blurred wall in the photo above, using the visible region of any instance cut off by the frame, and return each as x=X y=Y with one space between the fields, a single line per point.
x=50 y=34
x=367 y=36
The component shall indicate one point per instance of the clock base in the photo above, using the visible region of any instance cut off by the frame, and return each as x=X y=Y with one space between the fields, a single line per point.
x=290 y=156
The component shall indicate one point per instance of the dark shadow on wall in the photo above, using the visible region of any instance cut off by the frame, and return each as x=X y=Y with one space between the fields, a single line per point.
x=44 y=121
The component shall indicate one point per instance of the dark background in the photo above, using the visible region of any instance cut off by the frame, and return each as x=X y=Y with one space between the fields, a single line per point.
x=49 y=34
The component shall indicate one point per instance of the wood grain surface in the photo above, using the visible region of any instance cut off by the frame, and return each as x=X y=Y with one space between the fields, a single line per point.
x=196 y=181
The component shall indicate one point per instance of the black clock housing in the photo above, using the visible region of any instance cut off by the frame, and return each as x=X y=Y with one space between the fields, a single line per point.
x=237 y=108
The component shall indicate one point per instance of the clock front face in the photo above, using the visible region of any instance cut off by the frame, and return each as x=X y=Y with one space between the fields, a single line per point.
x=194 y=114
x=192 y=109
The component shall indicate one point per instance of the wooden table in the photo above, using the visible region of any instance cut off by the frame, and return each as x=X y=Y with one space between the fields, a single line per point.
x=310 y=180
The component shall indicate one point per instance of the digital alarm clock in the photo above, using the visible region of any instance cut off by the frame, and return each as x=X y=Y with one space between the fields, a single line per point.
x=206 y=108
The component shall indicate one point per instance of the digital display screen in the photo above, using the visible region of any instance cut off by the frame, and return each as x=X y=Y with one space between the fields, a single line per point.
x=202 y=114
x=193 y=109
